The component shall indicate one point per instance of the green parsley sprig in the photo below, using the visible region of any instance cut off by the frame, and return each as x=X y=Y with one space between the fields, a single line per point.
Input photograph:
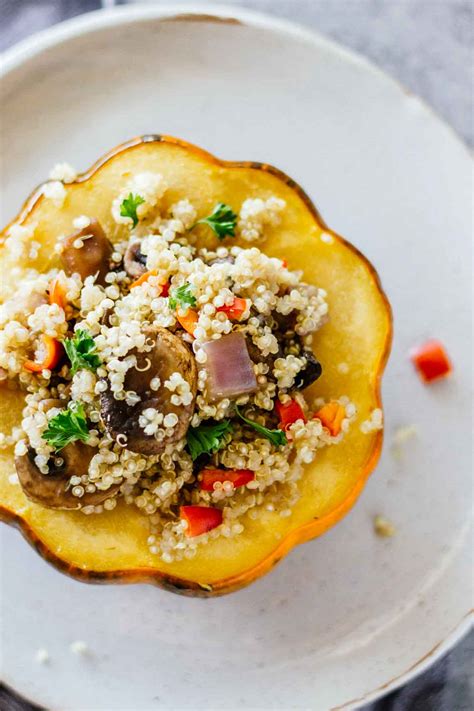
x=67 y=426
x=276 y=437
x=222 y=221
x=129 y=205
x=182 y=296
x=82 y=351
x=207 y=438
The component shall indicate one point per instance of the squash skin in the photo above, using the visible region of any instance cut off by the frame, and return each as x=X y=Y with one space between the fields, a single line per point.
x=302 y=533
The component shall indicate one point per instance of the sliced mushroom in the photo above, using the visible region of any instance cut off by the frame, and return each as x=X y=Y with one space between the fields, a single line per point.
x=285 y=323
x=94 y=255
x=310 y=373
x=257 y=356
x=53 y=490
x=134 y=260
x=169 y=355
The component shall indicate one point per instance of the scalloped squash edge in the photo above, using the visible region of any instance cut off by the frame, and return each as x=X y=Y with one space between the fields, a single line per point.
x=338 y=261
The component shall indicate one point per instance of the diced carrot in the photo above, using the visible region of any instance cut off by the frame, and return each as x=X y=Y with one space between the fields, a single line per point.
x=145 y=276
x=200 y=519
x=57 y=293
x=288 y=413
x=188 y=321
x=331 y=416
x=238 y=477
x=431 y=361
x=235 y=310
x=52 y=356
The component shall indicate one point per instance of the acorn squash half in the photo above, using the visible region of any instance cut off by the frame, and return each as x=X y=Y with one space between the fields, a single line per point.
x=111 y=547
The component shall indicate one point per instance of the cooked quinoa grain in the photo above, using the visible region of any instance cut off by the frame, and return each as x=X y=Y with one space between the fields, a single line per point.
x=166 y=374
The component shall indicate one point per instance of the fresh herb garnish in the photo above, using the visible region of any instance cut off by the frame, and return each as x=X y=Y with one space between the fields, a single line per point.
x=206 y=439
x=182 y=296
x=81 y=351
x=276 y=437
x=222 y=220
x=129 y=205
x=66 y=427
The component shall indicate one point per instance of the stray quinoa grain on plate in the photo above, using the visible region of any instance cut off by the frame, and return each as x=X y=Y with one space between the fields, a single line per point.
x=165 y=373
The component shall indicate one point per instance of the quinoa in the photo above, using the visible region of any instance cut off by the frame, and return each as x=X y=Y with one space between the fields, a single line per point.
x=372 y=423
x=54 y=190
x=383 y=527
x=63 y=172
x=136 y=436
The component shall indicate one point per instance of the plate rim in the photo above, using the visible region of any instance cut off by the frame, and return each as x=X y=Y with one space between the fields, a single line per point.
x=95 y=20
x=33 y=45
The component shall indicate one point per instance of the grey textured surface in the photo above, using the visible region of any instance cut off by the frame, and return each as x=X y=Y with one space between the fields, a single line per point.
x=427 y=45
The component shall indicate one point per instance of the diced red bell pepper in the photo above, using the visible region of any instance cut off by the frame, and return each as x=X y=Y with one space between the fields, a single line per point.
x=431 y=361
x=235 y=310
x=289 y=413
x=52 y=355
x=200 y=519
x=238 y=477
x=331 y=415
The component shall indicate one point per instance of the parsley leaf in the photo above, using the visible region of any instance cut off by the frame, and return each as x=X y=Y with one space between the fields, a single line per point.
x=67 y=426
x=129 y=205
x=222 y=220
x=182 y=296
x=206 y=439
x=81 y=351
x=276 y=437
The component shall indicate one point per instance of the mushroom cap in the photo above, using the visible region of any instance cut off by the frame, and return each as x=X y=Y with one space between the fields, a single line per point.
x=168 y=355
x=52 y=490
x=92 y=258
x=134 y=261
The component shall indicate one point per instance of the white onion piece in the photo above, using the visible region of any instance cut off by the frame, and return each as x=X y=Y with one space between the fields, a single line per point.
x=229 y=368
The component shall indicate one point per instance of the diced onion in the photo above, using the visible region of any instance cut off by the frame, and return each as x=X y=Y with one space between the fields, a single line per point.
x=229 y=368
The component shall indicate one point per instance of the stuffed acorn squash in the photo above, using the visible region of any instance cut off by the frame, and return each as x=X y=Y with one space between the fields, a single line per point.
x=190 y=366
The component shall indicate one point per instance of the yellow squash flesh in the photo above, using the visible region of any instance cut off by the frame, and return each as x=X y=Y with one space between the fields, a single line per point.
x=112 y=546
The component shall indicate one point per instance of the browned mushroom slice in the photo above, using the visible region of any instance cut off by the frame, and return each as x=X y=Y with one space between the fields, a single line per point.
x=53 y=490
x=169 y=355
x=134 y=261
x=94 y=255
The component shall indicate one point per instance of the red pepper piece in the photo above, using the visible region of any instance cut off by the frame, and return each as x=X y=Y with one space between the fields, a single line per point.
x=289 y=413
x=235 y=310
x=238 y=477
x=200 y=519
x=431 y=361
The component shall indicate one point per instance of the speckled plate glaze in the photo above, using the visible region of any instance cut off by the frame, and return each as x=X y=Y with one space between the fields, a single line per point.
x=349 y=616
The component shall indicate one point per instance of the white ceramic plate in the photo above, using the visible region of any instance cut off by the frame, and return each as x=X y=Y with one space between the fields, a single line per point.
x=349 y=616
